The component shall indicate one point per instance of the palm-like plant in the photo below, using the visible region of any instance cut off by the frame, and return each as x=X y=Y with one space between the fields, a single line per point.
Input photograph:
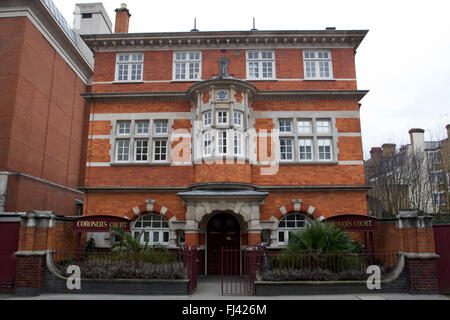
x=127 y=242
x=320 y=238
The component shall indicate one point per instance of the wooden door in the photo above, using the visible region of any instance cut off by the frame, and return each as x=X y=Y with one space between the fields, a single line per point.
x=223 y=231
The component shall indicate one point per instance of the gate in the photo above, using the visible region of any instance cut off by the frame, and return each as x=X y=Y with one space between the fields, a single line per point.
x=190 y=261
x=9 y=238
x=239 y=270
x=442 y=244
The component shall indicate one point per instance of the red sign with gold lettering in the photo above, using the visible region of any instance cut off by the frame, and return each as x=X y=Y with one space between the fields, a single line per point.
x=100 y=223
x=354 y=222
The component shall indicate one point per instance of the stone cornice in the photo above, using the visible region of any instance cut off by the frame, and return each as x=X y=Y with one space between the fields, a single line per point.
x=176 y=189
x=260 y=95
x=225 y=39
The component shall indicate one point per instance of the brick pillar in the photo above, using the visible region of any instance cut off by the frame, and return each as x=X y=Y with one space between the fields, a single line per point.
x=32 y=251
x=418 y=246
x=30 y=272
x=421 y=273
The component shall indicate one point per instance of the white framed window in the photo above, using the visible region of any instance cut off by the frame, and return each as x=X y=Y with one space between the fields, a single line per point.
x=141 y=150
x=437 y=177
x=161 y=126
x=237 y=143
x=160 y=150
x=290 y=223
x=317 y=64
x=151 y=229
x=122 y=150
x=304 y=126
x=207 y=118
x=311 y=138
x=305 y=149
x=260 y=65
x=141 y=127
x=222 y=142
x=222 y=117
x=123 y=127
x=285 y=126
x=238 y=117
x=129 y=67
x=323 y=126
x=324 y=149
x=439 y=198
x=434 y=156
x=286 y=149
x=207 y=143
x=187 y=65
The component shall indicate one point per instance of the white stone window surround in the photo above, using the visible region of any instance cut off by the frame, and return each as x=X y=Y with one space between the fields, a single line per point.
x=134 y=63
x=317 y=63
x=133 y=136
x=155 y=228
x=291 y=222
x=295 y=135
x=189 y=62
x=260 y=61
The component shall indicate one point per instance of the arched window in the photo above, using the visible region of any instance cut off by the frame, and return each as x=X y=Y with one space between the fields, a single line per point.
x=151 y=229
x=287 y=224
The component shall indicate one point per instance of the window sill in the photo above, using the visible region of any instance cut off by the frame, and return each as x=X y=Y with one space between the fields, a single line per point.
x=327 y=79
x=128 y=82
x=138 y=164
x=268 y=79
x=309 y=162
x=186 y=80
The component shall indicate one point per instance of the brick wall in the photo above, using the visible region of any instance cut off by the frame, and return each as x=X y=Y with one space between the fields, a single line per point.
x=289 y=65
x=421 y=275
x=42 y=115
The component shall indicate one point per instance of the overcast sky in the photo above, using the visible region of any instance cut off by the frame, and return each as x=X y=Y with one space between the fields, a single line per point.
x=404 y=60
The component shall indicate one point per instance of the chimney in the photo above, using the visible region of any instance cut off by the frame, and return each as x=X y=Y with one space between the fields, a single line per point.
x=448 y=130
x=388 y=150
x=417 y=137
x=376 y=154
x=122 y=19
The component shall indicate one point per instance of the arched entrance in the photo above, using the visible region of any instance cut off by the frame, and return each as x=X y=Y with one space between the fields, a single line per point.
x=223 y=230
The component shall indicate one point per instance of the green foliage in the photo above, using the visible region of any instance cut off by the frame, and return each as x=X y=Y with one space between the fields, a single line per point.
x=320 y=238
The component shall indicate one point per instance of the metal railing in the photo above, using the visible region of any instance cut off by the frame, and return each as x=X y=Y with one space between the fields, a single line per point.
x=313 y=266
x=159 y=264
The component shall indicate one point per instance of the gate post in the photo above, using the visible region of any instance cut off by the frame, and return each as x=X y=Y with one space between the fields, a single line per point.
x=419 y=250
x=32 y=252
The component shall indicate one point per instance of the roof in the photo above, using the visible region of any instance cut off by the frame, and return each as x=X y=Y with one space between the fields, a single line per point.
x=229 y=39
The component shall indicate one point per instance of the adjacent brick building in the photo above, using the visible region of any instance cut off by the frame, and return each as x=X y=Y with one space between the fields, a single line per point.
x=227 y=138
x=43 y=118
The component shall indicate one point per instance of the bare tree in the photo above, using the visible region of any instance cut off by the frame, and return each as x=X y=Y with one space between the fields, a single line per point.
x=400 y=182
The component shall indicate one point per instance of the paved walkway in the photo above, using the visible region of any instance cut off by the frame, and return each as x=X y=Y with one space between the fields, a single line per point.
x=209 y=288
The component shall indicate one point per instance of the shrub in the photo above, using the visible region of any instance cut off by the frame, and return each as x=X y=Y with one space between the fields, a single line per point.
x=321 y=237
x=140 y=270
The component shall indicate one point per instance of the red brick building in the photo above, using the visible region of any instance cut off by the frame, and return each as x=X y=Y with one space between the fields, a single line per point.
x=223 y=138
x=43 y=119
